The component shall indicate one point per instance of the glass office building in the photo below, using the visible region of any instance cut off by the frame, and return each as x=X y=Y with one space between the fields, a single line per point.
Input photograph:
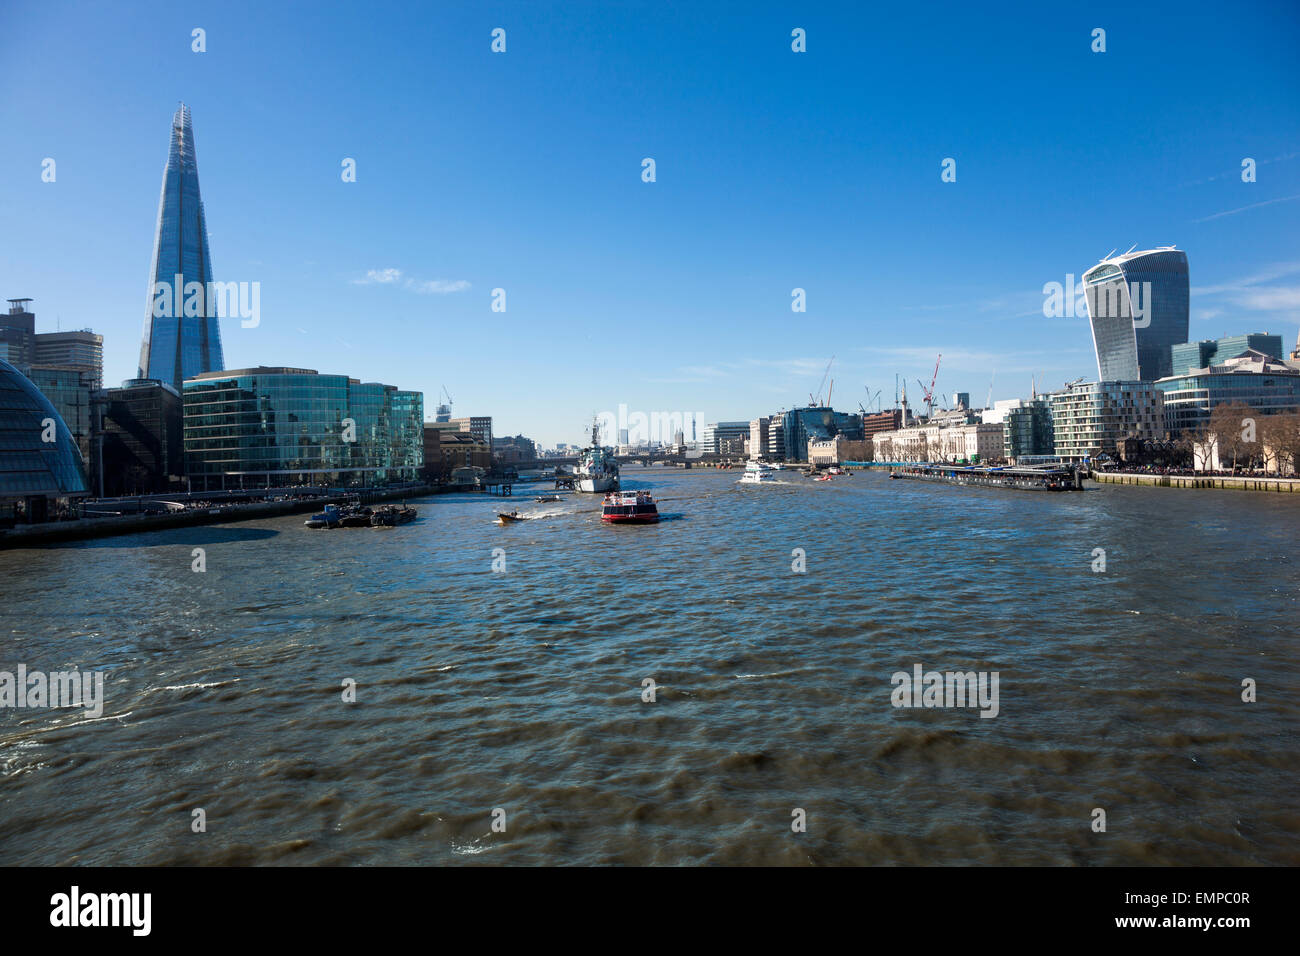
x=143 y=450
x=1261 y=381
x=177 y=346
x=263 y=427
x=815 y=423
x=1193 y=355
x=1027 y=430
x=1153 y=283
x=33 y=471
x=71 y=391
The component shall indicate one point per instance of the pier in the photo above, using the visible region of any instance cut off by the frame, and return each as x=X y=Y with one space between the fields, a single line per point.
x=1227 y=482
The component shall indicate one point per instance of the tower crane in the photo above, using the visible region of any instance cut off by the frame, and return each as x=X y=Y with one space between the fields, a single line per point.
x=818 y=399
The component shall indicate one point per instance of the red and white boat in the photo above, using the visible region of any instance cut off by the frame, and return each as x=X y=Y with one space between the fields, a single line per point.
x=629 y=507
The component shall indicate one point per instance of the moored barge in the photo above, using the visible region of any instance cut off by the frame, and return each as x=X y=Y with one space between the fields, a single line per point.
x=1050 y=477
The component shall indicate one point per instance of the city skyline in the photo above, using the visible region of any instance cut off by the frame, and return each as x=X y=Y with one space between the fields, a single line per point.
x=391 y=277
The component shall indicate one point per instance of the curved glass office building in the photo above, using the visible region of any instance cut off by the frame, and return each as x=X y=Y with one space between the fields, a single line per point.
x=1266 y=384
x=178 y=345
x=265 y=426
x=33 y=470
x=1138 y=310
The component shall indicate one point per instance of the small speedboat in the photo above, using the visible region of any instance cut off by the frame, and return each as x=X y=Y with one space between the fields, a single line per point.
x=629 y=507
x=329 y=518
x=504 y=517
x=822 y=478
x=545 y=498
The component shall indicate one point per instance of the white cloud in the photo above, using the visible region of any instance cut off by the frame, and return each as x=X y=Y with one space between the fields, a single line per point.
x=1254 y=205
x=379 y=277
x=421 y=286
x=1267 y=300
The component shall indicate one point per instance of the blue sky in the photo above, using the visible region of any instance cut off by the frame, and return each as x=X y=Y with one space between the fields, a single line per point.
x=775 y=170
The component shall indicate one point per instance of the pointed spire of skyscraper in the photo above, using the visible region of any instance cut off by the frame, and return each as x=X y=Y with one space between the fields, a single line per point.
x=181 y=334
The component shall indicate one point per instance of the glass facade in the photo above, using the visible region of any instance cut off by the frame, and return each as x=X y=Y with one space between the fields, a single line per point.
x=1188 y=356
x=1027 y=430
x=270 y=426
x=1189 y=398
x=178 y=346
x=1159 y=280
x=70 y=391
x=143 y=451
x=31 y=467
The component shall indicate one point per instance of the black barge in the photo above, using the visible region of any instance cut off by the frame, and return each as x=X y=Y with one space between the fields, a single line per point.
x=1049 y=477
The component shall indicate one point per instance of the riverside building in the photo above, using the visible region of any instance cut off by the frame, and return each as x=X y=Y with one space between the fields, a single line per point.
x=1259 y=380
x=1027 y=430
x=143 y=444
x=1090 y=419
x=268 y=426
x=37 y=477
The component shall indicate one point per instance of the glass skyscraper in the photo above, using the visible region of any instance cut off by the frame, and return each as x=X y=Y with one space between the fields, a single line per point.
x=1154 y=283
x=178 y=345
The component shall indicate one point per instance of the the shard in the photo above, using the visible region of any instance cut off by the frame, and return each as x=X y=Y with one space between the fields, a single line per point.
x=181 y=335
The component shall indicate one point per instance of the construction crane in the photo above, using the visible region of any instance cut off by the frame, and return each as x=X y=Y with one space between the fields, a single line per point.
x=929 y=392
x=444 y=409
x=817 y=400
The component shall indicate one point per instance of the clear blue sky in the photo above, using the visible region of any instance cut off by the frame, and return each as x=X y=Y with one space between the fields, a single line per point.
x=775 y=170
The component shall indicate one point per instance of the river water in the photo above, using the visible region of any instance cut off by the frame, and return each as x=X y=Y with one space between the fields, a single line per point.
x=515 y=696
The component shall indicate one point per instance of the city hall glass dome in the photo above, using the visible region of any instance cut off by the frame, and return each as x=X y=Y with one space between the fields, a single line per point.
x=28 y=465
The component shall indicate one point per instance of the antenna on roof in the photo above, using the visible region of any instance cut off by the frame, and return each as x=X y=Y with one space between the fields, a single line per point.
x=1109 y=254
x=1131 y=248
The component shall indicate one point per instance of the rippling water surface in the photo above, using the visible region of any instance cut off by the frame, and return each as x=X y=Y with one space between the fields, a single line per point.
x=522 y=690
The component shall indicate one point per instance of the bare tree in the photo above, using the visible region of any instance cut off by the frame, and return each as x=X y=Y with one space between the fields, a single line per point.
x=1280 y=436
x=1233 y=426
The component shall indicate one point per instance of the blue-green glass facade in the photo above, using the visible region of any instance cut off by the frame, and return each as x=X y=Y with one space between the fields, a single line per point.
x=288 y=426
x=178 y=346
x=1027 y=430
x=815 y=423
x=1193 y=355
x=1189 y=398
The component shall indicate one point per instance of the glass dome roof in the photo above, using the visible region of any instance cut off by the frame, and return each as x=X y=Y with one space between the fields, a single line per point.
x=29 y=465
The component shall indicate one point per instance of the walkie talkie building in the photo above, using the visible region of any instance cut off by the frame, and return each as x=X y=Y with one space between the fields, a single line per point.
x=181 y=335
x=1138 y=309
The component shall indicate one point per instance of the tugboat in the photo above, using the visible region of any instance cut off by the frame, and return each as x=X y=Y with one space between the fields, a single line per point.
x=629 y=507
x=598 y=470
x=329 y=518
x=389 y=516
